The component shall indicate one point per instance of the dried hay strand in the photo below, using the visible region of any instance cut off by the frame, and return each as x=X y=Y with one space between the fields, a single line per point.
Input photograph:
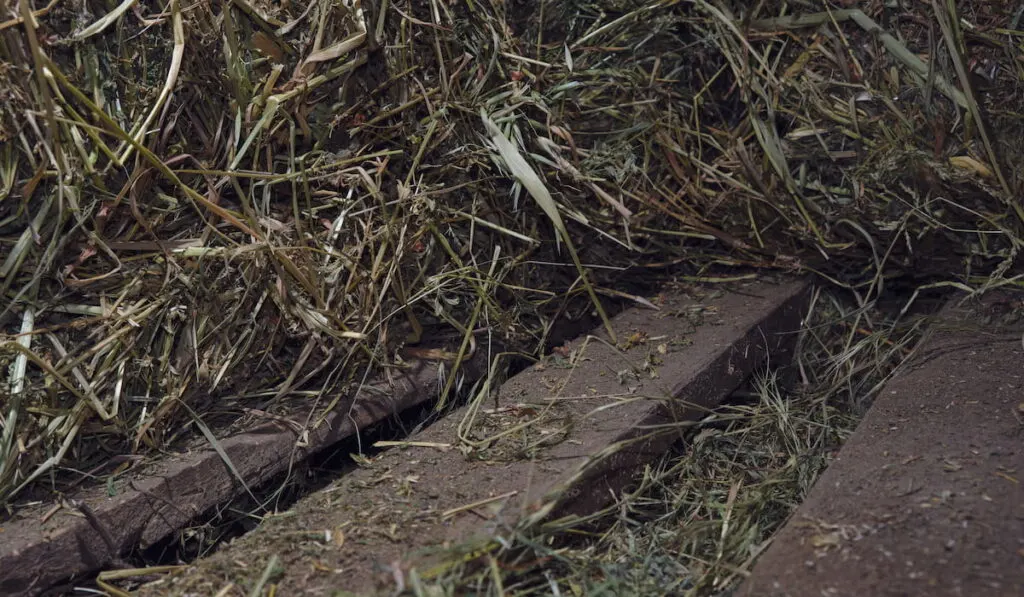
x=251 y=205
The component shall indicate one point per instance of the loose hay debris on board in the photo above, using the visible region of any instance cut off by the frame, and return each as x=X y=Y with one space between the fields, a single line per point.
x=693 y=523
x=251 y=204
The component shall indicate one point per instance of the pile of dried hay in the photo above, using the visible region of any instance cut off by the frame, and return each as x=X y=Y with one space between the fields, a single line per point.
x=214 y=207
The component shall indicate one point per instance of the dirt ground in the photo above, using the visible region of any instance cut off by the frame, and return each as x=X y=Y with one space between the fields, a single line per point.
x=926 y=497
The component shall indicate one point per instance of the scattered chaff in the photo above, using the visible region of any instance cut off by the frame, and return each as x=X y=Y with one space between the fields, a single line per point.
x=253 y=206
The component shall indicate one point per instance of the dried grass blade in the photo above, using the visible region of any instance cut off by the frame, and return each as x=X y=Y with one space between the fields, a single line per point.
x=16 y=383
x=205 y=430
x=112 y=127
x=893 y=45
x=519 y=168
x=139 y=133
x=109 y=19
x=946 y=23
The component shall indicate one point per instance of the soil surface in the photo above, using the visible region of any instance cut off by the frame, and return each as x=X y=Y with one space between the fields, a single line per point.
x=558 y=440
x=926 y=497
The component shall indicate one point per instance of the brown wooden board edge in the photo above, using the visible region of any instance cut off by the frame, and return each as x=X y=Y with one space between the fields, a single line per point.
x=737 y=332
x=790 y=562
x=769 y=341
x=572 y=501
x=33 y=558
